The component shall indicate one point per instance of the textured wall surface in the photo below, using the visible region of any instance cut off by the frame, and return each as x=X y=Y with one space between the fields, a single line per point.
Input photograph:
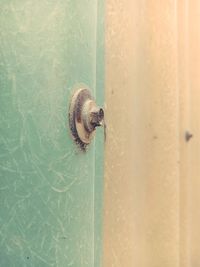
x=152 y=184
x=50 y=192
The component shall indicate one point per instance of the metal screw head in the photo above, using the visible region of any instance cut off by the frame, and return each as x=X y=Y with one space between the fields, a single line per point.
x=96 y=117
x=92 y=115
x=84 y=117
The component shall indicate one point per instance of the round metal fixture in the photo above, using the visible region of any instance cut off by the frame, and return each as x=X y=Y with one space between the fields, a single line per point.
x=84 y=117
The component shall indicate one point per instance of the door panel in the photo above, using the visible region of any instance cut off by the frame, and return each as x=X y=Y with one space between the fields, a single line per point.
x=50 y=205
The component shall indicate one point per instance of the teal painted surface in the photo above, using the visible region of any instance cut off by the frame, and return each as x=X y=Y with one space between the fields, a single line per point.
x=50 y=192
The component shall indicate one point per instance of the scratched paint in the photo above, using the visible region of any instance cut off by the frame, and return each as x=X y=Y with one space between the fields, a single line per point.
x=50 y=193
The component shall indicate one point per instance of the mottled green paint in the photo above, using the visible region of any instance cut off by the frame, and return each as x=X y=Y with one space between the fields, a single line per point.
x=50 y=192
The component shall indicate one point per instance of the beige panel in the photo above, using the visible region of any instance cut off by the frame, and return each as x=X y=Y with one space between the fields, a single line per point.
x=152 y=181
x=184 y=99
x=193 y=148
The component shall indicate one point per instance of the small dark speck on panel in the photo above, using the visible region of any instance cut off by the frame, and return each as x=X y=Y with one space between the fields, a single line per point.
x=188 y=136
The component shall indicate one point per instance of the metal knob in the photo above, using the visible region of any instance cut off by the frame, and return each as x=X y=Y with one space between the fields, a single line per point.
x=84 y=117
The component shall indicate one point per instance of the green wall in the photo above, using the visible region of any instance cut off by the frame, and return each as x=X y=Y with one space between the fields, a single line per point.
x=50 y=192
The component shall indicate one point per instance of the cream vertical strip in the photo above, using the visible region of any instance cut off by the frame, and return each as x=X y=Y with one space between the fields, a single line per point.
x=184 y=83
x=193 y=146
x=162 y=190
x=126 y=132
x=141 y=226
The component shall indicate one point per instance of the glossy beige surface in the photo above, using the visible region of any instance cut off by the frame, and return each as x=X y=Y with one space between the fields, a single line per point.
x=152 y=181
